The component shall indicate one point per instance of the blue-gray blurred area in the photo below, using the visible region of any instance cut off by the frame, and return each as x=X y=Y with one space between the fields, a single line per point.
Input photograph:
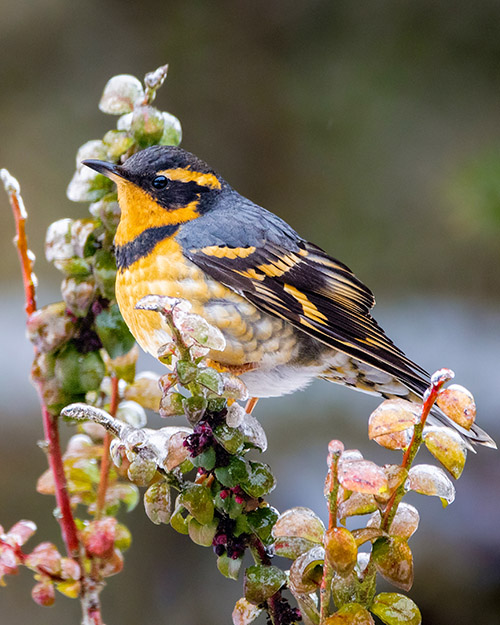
x=374 y=128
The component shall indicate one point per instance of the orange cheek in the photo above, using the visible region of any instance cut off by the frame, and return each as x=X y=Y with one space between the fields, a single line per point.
x=140 y=212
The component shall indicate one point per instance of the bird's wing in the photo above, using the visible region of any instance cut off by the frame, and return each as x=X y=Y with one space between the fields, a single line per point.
x=256 y=254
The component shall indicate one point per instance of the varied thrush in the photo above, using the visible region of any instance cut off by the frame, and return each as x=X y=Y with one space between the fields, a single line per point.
x=288 y=311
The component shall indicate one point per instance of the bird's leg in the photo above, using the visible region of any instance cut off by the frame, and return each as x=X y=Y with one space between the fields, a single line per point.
x=251 y=403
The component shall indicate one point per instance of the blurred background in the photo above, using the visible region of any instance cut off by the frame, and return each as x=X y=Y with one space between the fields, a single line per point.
x=374 y=129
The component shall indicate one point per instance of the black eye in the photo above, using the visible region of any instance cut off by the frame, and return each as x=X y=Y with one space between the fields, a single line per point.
x=160 y=182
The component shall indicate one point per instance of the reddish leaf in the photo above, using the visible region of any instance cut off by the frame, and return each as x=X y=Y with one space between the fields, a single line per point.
x=391 y=424
x=404 y=524
x=341 y=549
x=300 y=522
x=394 y=561
x=458 y=404
x=363 y=476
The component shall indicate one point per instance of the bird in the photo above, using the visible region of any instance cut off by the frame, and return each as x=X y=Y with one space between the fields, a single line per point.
x=289 y=312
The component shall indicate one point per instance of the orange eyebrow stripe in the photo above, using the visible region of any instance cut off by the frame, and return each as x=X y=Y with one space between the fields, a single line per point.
x=187 y=175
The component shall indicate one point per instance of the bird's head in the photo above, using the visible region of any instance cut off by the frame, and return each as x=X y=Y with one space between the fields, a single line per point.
x=160 y=186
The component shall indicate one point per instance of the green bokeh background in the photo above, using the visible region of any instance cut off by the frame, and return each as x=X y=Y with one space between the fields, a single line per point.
x=374 y=129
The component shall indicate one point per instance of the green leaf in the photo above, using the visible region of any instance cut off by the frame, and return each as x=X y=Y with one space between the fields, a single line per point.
x=234 y=473
x=260 y=480
x=261 y=521
x=202 y=534
x=113 y=332
x=228 y=567
x=206 y=459
x=197 y=499
x=186 y=370
x=395 y=609
x=79 y=373
x=211 y=379
x=229 y=438
x=105 y=273
x=177 y=521
x=262 y=582
x=194 y=408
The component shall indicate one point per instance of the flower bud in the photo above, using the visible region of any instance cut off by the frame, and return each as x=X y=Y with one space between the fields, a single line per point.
x=172 y=130
x=50 y=327
x=147 y=125
x=117 y=143
x=78 y=294
x=120 y=94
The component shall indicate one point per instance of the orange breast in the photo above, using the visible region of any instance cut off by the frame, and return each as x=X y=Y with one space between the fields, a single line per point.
x=251 y=335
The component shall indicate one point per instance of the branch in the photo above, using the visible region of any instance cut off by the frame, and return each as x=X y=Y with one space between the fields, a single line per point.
x=438 y=379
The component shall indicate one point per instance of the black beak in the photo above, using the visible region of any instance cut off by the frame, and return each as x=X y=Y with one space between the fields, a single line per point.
x=110 y=170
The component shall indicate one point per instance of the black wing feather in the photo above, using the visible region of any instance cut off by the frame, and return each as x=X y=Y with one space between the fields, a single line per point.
x=282 y=269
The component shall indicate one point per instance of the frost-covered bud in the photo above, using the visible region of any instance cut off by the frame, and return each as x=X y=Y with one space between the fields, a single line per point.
x=235 y=415
x=195 y=327
x=50 y=327
x=86 y=184
x=172 y=130
x=157 y=503
x=120 y=95
x=234 y=388
x=58 y=241
x=117 y=452
x=171 y=405
x=44 y=555
x=81 y=237
x=131 y=413
x=124 y=122
x=98 y=537
x=78 y=294
x=43 y=593
x=253 y=432
x=21 y=532
x=147 y=125
x=177 y=451
x=78 y=445
x=108 y=211
x=124 y=366
x=70 y=569
x=154 y=80
x=117 y=143
x=105 y=273
x=141 y=471
x=91 y=149
x=145 y=390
